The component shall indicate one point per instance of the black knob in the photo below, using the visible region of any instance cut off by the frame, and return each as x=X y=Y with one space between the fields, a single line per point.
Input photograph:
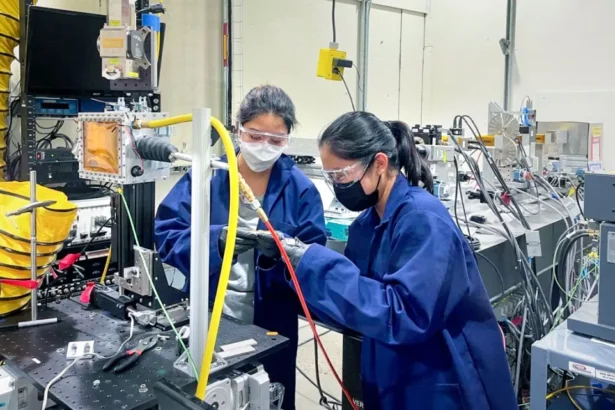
x=136 y=171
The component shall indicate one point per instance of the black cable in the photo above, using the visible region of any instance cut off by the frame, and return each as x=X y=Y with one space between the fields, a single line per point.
x=333 y=21
x=476 y=132
x=458 y=189
x=523 y=266
x=333 y=401
x=497 y=271
x=93 y=238
x=323 y=399
x=337 y=71
x=576 y=194
x=310 y=339
x=571 y=240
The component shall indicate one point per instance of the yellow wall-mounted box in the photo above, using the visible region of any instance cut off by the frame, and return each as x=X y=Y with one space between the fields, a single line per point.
x=326 y=68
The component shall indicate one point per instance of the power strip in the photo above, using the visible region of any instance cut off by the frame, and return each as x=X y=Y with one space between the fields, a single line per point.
x=78 y=349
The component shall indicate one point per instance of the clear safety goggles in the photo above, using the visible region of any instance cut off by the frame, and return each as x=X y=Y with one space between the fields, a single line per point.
x=346 y=177
x=254 y=136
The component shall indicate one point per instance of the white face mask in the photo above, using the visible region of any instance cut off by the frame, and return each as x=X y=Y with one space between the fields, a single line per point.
x=260 y=156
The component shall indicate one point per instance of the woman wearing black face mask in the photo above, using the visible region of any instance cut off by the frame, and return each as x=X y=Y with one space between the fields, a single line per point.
x=408 y=282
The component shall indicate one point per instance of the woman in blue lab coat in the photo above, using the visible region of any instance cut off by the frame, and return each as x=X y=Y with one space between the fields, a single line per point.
x=408 y=282
x=265 y=119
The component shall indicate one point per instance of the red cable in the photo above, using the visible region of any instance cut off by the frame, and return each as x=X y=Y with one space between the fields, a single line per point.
x=306 y=311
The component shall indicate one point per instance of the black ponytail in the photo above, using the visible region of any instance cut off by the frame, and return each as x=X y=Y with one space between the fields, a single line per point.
x=361 y=135
x=408 y=157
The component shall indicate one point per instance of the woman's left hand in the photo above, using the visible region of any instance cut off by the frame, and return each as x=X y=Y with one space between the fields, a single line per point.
x=295 y=249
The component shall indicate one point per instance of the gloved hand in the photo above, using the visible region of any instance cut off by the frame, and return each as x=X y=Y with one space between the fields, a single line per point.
x=262 y=241
x=243 y=242
x=295 y=249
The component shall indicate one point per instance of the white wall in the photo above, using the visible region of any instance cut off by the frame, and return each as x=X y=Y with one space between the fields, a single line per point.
x=282 y=38
x=566 y=65
x=564 y=57
x=464 y=66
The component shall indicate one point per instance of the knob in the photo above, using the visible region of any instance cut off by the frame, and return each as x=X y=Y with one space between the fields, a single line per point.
x=52 y=293
x=66 y=291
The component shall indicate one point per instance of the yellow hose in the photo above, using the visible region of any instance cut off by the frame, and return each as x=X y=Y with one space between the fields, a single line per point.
x=106 y=269
x=227 y=260
x=170 y=121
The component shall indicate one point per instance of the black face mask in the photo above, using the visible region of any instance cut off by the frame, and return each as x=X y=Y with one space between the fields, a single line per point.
x=354 y=197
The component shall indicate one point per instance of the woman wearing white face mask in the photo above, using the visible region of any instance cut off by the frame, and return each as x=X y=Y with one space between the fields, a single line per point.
x=257 y=293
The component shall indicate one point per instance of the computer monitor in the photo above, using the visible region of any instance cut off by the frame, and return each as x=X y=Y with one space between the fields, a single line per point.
x=62 y=58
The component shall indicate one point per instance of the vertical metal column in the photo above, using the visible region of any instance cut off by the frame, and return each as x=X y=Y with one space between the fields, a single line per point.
x=509 y=56
x=227 y=50
x=199 y=236
x=33 y=260
x=364 y=15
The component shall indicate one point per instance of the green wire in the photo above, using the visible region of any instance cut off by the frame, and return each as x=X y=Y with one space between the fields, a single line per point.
x=578 y=282
x=134 y=233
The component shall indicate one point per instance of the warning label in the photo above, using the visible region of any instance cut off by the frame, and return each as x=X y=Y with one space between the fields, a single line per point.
x=579 y=368
x=604 y=375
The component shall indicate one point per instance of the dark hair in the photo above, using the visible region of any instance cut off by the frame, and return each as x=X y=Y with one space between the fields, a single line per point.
x=267 y=99
x=361 y=135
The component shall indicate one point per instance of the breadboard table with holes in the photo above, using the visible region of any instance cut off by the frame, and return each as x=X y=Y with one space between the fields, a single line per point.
x=40 y=353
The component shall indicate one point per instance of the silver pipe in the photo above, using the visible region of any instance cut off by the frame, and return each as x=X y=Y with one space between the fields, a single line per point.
x=509 y=58
x=364 y=16
x=361 y=56
x=199 y=238
x=180 y=156
x=219 y=165
x=33 y=261
x=364 y=69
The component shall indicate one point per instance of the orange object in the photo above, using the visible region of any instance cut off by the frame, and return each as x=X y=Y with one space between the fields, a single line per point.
x=101 y=147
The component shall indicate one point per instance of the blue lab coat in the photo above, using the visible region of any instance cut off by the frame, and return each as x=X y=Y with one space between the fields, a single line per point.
x=294 y=208
x=410 y=285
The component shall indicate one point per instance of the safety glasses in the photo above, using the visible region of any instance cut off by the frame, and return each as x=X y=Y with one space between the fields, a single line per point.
x=346 y=177
x=255 y=136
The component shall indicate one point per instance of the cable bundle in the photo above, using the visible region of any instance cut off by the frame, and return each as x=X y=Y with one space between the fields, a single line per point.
x=537 y=316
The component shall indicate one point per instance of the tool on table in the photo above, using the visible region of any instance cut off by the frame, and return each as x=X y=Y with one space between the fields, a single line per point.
x=132 y=356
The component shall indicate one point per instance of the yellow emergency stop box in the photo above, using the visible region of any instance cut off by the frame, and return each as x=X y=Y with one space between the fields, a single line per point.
x=326 y=67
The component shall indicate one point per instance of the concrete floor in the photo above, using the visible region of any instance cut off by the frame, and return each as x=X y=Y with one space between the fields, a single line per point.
x=307 y=395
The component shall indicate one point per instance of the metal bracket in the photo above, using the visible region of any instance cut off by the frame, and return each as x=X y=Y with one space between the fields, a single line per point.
x=135 y=277
x=181 y=364
x=505 y=46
